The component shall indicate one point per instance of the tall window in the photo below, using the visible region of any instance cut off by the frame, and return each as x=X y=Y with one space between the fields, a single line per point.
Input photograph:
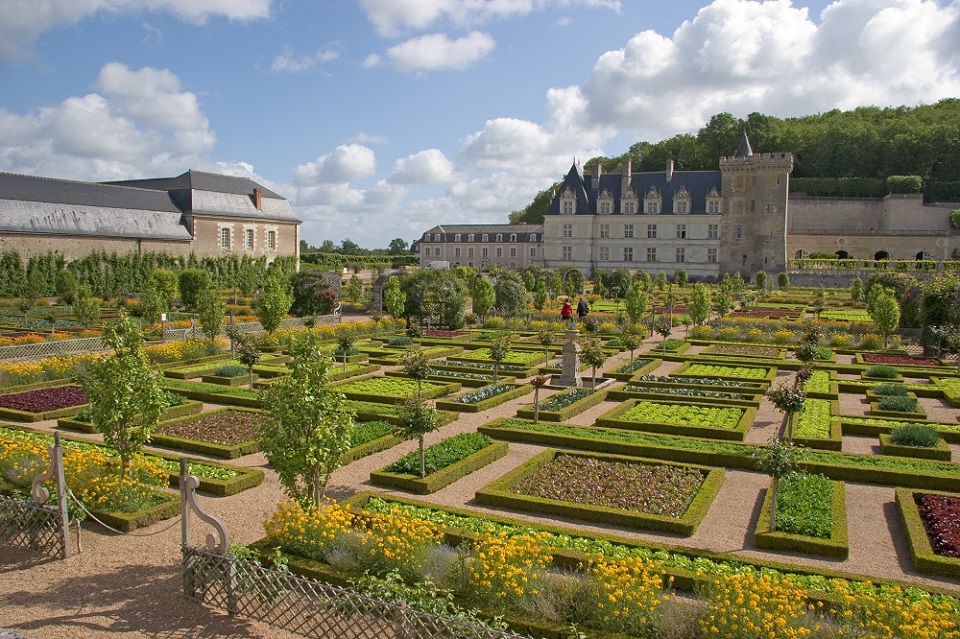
x=456 y=252
x=604 y=230
x=271 y=240
x=651 y=231
x=629 y=208
x=681 y=254
x=651 y=254
x=628 y=231
x=499 y=252
x=712 y=255
x=713 y=207
x=739 y=232
x=568 y=230
x=513 y=251
x=605 y=208
x=713 y=231
x=681 y=206
x=470 y=251
x=533 y=251
x=681 y=231
x=568 y=207
x=484 y=251
x=628 y=254
x=604 y=253
x=653 y=208
x=567 y=253
x=225 y=238
x=248 y=238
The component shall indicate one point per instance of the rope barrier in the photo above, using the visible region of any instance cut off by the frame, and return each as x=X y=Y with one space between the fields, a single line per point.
x=112 y=529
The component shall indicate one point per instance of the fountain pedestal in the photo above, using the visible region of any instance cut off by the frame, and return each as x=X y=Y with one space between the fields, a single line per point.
x=570 y=370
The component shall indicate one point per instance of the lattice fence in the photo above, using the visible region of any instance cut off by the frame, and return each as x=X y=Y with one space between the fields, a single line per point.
x=30 y=525
x=311 y=608
x=176 y=334
x=51 y=349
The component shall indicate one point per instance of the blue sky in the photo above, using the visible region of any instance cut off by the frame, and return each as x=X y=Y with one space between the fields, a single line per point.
x=380 y=118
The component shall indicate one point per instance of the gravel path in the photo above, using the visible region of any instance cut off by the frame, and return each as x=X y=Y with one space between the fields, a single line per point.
x=126 y=586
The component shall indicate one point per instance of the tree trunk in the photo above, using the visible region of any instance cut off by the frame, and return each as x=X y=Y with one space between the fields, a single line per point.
x=773 y=504
x=423 y=460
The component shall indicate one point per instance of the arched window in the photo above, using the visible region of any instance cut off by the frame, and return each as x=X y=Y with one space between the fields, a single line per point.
x=842 y=255
x=484 y=238
x=881 y=255
x=456 y=238
x=499 y=237
x=513 y=237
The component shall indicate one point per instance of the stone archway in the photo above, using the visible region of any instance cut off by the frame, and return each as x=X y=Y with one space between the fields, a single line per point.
x=881 y=255
x=842 y=255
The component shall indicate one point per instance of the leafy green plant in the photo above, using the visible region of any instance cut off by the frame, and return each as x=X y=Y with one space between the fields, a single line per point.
x=440 y=455
x=416 y=419
x=919 y=435
x=805 y=505
x=484 y=393
x=890 y=390
x=882 y=371
x=566 y=398
x=778 y=459
x=230 y=370
x=400 y=340
x=898 y=404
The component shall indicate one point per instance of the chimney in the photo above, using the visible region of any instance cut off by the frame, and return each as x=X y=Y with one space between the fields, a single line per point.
x=669 y=170
x=258 y=199
x=625 y=174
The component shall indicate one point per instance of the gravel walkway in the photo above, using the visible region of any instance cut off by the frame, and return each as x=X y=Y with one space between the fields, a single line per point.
x=126 y=586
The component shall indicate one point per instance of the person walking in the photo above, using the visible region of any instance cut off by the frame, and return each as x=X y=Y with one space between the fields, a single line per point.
x=566 y=313
x=582 y=309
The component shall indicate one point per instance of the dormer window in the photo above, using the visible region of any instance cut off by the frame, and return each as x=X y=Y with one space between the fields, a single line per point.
x=713 y=202
x=471 y=237
x=533 y=237
x=456 y=238
x=568 y=202
x=652 y=202
x=513 y=237
x=484 y=238
x=682 y=203
x=436 y=237
x=499 y=237
x=605 y=203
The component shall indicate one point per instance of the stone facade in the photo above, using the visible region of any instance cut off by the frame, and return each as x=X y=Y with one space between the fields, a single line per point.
x=742 y=218
x=513 y=246
x=200 y=213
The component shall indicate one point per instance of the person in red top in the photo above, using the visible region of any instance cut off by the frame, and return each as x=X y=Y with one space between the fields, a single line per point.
x=566 y=313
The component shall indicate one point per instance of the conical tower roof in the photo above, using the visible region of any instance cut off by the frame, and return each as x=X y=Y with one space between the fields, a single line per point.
x=744 y=150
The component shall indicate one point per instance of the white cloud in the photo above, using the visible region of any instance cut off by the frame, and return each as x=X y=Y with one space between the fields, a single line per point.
x=140 y=123
x=436 y=51
x=346 y=163
x=395 y=17
x=22 y=21
x=743 y=56
x=371 y=61
x=369 y=138
x=289 y=62
x=426 y=167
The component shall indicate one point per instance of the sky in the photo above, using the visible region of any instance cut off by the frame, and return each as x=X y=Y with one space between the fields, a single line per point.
x=378 y=119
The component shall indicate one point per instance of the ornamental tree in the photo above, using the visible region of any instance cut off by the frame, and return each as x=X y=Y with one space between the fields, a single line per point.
x=545 y=339
x=210 y=311
x=274 y=301
x=394 y=298
x=885 y=313
x=126 y=398
x=308 y=425
x=538 y=382
x=594 y=356
x=788 y=401
x=483 y=296
x=698 y=306
x=636 y=301
x=416 y=419
x=778 y=459
x=416 y=365
x=498 y=351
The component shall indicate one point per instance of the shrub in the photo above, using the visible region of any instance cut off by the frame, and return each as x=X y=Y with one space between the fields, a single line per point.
x=882 y=371
x=871 y=342
x=400 y=340
x=891 y=390
x=898 y=404
x=919 y=435
x=230 y=370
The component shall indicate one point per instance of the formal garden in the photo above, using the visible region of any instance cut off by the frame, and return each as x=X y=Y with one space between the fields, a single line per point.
x=739 y=459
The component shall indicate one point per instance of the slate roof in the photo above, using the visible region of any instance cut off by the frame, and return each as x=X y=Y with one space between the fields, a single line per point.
x=147 y=209
x=523 y=231
x=697 y=183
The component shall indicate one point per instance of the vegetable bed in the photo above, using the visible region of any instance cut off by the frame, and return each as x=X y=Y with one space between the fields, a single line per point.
x=719 y=422
x=811 y=517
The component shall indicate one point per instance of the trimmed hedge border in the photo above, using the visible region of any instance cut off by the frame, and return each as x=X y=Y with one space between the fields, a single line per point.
x=671 y=452
x=335 y=374
x=652 y=365
x=208 y=393
x=861 y=387
x=497 y=494
x=566 y=412
x=486 y=404
x=463 y=381
x=239 y=380
x=371 y=447
x=622 y=394
x=951 y=435
x=771 y=375
x=925 y=560
x=834 y=442
x=940 y=452
x=443 y=477
x=895 y=414
x=837 y=546
x=207 y=448
x=27 y=416
x=173 y=412
x=127 y=522
x=610 y=420
x=506 y=369
x=445 y=388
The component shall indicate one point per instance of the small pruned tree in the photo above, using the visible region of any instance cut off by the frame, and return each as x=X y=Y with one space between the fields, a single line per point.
x=856 y=289
x=631 y=342
x=663 y=328
x=636 y=301
x=885 y=313
x=483 y=296
x=274 y=301
x=308 y=424
x=191 y=283
x=545 y=339
x=538 y=382
x=595 y=357
x=345 y=338
x=416 y=365
x=777 y=459
x=126 y=398
x=86 y=308
x=783 y=281
x=498 y=352
x=417 y=418
x=698 y=306
x=248 y=354
x=394 y=298
x=789 y=401
x=210 y=311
